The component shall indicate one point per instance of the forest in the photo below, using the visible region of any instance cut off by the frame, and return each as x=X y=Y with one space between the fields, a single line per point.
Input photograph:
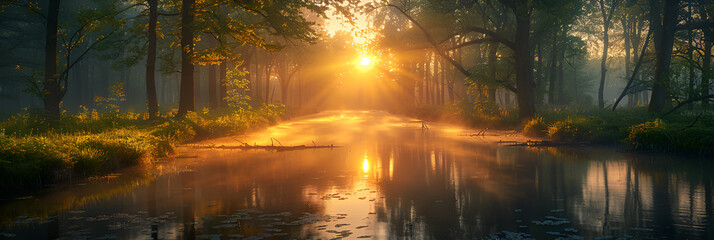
x=90 y=86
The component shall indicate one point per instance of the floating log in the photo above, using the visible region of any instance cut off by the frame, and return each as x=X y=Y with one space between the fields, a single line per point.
x=543 y=143
x=271 y=147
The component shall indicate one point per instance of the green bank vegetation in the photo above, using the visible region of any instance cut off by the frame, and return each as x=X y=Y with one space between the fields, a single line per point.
x=35 y=152
x=688 y=132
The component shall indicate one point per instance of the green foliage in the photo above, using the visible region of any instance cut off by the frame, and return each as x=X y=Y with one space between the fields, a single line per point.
x=574 y=129
x=649 y=135
x=486 y=113
x=535 y=127
x=109 y=106
x=33 y=152
x=699 y=139
x=237 y=87
x=659 y=135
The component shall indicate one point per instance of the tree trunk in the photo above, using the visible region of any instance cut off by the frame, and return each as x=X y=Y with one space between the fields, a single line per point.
x=450 y=84
x=706 y=58
x=151 y=101
x=553 y=70
x=491 y=58
x=664 y=40
x=187 y=100
x=51 y=87
x=427 y=77
x=222 y=87
x=707 y=72
x=627 y=37
x=212 y=98
x=285 y=78
x=603 y=60
x=635 y=40
x=268 y=69
x=690 y=54
x=575 y=86
x=441 y=83
x=539 y=78
x=524 y=60
x=559 y=81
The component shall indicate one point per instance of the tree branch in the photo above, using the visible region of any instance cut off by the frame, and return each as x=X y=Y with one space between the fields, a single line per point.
x=472 y=42
x=688 y=101
x=441 y=52
x=634 y=72
x=495 y=36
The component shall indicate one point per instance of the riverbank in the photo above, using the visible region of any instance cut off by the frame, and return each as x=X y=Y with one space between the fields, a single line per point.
x=34 y=153
x=685 y=132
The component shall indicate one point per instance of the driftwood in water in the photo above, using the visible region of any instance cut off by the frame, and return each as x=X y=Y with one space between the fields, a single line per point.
x=536 y=143
x=271 y=147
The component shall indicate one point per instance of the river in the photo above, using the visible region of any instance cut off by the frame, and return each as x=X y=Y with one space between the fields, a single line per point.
x=388 y=177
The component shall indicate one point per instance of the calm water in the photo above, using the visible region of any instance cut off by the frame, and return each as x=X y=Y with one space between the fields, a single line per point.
x=390 y=180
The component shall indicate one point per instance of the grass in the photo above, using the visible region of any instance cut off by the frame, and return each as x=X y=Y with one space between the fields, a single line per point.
x=34 y=153
x=684 y=132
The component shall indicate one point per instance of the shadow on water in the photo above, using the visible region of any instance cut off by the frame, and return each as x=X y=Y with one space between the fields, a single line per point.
x=390 y=179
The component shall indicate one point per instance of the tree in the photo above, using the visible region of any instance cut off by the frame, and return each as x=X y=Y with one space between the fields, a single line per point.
x=51 y=92
x=187 y=100
x=607 y=15
x=151 y=100
x=520 y=46
x=237 y=23
x=663 y=22
x=705 y=10
x=99 y=22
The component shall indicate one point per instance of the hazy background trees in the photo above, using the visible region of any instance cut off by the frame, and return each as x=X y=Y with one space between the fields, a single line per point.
x=515 y=54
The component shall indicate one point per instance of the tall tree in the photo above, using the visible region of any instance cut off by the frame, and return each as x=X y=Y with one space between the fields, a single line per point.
x=606 y=15
x=187 y=99
x=520 y=45
x=151 y=101
x=705 y=11
x=663 y=23
x=51 y=94
x=524 y=59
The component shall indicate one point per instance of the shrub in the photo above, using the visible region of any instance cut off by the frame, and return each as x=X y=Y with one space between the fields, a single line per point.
x=694 y=139
x=535 y=127
x=574 y=129
x=650 y=135
x=178 y=131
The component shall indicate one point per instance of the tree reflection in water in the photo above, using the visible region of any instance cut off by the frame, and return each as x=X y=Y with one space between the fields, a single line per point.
x=389 y=180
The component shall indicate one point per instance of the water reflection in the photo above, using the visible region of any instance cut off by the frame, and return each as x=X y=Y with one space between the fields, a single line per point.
x=389 y=180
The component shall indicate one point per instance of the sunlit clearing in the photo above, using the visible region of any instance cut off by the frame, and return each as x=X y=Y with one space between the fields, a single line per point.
x=365 y=165
x=365 y=61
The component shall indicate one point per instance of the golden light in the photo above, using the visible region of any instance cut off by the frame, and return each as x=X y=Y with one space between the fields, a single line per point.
x=365 y=61
x=365 y=165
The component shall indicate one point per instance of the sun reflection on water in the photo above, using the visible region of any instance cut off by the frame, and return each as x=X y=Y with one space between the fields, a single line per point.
x=365 y=164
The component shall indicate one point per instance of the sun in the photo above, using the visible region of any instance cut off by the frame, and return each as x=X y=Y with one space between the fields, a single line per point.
x=365 y=61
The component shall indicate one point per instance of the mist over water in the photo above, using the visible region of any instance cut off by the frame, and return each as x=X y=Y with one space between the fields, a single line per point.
x=388 y=178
